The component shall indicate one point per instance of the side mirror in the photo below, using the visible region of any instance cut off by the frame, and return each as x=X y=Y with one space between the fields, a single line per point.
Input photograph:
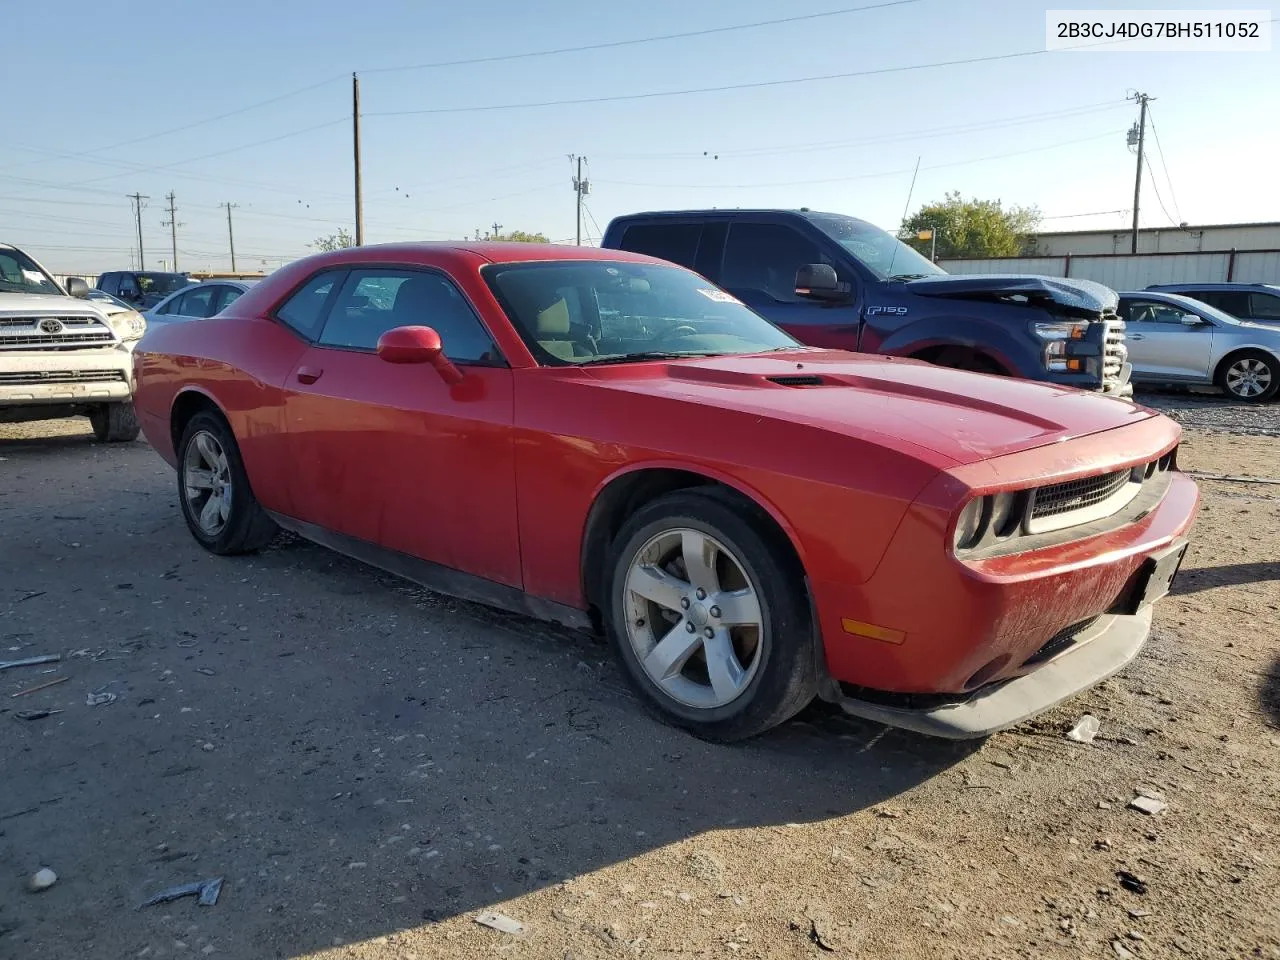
x=1191 y=320
x=418 y=345
x=818 y=281
x=76 y=287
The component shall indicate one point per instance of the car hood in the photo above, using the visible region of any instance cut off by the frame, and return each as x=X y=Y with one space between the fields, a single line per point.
x=1084 y=296
x=958 y=416
x=47 y=304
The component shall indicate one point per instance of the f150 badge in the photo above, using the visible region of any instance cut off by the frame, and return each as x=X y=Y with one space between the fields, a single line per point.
x=892 y=311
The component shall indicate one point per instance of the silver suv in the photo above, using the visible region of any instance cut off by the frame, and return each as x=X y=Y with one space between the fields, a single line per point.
x=62 y=355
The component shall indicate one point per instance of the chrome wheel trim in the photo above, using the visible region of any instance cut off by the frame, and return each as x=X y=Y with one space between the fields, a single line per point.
x=693 y=618
x=206 y=483
x=1248 y=377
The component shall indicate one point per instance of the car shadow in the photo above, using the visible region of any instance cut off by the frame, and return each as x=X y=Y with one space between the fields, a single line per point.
x=380 y=757
x=1226 y=575
x=1269 y=695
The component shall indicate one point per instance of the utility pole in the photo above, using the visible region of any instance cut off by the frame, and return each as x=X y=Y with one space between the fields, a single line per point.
x=496 y=228
x=1137 y=137
x=231 y=237
x=581 y=188
x=172 y=224
x=355 y=140
x=136 y=199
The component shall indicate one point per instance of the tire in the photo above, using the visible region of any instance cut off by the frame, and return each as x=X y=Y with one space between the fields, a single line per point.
x=115 y=423
x=1252 y=376
x=961 y=359
x=763 y=674
x=213 y=489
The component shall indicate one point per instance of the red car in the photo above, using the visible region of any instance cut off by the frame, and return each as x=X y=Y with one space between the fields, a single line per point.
x=607 y=440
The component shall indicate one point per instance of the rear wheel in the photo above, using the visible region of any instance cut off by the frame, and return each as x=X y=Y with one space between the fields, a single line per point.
x=709 y=619
x=1250 y=375
x=213 y=488
x=114 y=423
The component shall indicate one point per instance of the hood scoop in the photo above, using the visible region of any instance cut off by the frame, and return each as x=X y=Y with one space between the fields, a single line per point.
x=798 y=380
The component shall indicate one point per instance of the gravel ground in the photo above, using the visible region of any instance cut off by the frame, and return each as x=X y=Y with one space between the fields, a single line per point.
x=371 y=767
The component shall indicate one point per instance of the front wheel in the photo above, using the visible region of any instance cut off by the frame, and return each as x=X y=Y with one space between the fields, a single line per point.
x=1251 y=375
x=115 y=423
x=213 y=488
x=709 y=617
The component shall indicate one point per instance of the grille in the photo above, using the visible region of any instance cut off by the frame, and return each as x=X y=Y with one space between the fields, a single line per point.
x=25 y=333
x=1061 y=498
x=1114 y=351
x=797 y=380
x=40 y=377
x=1062 y=640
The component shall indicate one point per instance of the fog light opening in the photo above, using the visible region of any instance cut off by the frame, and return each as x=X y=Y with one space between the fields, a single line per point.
x=985 y=675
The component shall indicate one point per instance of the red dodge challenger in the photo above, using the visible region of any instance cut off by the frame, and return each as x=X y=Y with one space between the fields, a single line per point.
x=607 y=440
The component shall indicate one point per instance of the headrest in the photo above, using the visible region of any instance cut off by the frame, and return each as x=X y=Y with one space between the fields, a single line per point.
x=554 y=320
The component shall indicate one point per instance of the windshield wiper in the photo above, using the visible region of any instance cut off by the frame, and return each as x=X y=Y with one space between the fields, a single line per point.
x=908 y=276
x=636 y=357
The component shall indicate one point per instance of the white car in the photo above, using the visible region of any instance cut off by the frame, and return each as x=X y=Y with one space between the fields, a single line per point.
x=63 y=355
x=196 y=302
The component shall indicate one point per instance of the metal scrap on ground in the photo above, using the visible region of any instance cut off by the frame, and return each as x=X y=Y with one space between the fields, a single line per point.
x=206 y=892
x=31 y=661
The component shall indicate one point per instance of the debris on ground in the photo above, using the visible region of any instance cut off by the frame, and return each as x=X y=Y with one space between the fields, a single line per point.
x=205 y=891
x=500 y=922
x=97 y=698
x=31 y=661
x=1085 y=730
x=1147 y=805
x=40 y=686
x=1131 y=882
x=34 y=714
x=1123 y=952
x=41 y=880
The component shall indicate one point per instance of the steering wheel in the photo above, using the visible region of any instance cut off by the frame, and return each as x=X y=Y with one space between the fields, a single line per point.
x=683 y=330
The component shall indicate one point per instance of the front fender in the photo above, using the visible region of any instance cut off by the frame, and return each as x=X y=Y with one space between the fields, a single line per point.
x=1010 y=348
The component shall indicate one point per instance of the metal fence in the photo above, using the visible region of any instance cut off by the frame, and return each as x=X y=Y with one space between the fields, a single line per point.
x=1136 y=271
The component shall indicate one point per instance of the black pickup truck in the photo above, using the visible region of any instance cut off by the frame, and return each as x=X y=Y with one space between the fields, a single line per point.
x=835 y=281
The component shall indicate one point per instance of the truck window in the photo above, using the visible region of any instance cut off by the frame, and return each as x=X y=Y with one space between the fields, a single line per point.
x=676 y=242
x=765 y=257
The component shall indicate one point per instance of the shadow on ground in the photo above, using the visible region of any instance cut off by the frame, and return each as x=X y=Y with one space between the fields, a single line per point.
x=1269 y=695
x=1227 y=575
x=376 y=757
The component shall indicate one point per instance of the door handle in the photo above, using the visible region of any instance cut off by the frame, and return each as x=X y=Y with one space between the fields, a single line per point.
x=309 y=374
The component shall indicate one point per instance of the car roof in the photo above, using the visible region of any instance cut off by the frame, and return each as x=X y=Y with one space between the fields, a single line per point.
x=730 y=212
x=1212 y=285
x=493 y=251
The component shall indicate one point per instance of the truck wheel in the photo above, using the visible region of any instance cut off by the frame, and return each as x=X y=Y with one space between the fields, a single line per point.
x=960 y=359
x=213 y=488
x=709 y=619
x=1250 y=375
x=114 y=423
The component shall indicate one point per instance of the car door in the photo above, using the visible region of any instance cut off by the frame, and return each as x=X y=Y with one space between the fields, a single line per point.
x=759 y=268
x=1161 y=345
x=390 y=453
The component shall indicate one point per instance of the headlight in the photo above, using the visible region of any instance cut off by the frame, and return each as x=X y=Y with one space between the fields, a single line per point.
x=1062 y=330
x=969 y=523
x=1056 y=336
x=128 y=325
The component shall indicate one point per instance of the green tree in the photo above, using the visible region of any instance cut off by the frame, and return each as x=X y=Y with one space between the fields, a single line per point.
x=972 y=228
x=334 y=241
x=520 y=236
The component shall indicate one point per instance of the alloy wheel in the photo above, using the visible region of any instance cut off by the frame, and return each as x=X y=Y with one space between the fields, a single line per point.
x=206 y=483
x=1248 y=377
x=693 y=618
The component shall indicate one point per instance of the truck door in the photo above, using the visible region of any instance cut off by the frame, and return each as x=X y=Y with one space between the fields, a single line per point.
x=759 y=268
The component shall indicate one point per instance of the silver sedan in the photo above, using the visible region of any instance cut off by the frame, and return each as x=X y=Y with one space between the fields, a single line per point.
x=197 y=301
x=1176 y=340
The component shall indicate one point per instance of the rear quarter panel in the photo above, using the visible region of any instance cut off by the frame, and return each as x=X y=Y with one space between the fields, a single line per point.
x=240 y=364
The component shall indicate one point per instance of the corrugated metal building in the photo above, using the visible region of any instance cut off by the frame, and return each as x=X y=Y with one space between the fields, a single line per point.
x=1183 y=239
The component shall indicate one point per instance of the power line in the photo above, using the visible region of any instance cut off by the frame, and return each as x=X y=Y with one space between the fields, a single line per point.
x=1146 y=161
x=1168 y=179
x=613 y=44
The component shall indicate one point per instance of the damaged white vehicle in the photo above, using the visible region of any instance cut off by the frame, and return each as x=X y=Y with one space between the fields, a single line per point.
x=62 y=355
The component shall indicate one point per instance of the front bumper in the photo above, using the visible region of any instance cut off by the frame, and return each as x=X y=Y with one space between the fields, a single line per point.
x=1111 y=643
x=65 y=377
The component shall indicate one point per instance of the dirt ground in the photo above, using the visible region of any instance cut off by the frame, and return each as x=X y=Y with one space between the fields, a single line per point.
x=371 y=767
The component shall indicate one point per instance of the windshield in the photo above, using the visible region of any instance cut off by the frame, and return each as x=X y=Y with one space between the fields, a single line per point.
x=161 y=283
x=592 y=311
x=20 y=274
x=883 y=254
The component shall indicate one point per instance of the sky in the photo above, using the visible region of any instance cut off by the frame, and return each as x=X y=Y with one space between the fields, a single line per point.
x=250 y=104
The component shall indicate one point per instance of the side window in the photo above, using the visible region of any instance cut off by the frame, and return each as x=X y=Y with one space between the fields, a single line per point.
x=1236 y=304
x=109 y=283
x=304 y=311
x=229 y=295
x=1152 y=311
x=1264 y=306
x=676 y=242
x=197 y=303
x=374 y=301
x=765 y=257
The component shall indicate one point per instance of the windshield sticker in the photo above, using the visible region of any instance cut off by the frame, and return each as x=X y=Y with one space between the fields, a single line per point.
x=32 y=276
x=719 y=296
